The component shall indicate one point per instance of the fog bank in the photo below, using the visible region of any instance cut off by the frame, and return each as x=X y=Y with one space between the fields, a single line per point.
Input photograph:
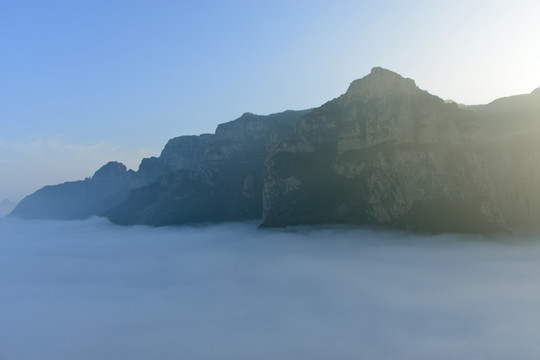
x=92 y=290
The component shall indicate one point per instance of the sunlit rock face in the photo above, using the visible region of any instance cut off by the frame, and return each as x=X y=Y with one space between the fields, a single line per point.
x=387 y=153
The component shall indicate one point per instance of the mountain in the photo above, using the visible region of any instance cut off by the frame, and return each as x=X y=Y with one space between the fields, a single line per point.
x=216 y=178
x=385 y=153
x=508 y=147
x=6 y=207
x=109 y=186
x=389 y=154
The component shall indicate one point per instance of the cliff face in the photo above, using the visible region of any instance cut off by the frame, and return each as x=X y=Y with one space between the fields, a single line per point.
x=224 y=185
x=511 y=156
x=387 y=153
x=185 y=152
x=219 y=174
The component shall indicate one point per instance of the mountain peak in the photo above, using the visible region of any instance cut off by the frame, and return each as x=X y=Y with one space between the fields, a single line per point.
x=381 y=70
x=112 y=169
x=536 y=92
x=381 y=81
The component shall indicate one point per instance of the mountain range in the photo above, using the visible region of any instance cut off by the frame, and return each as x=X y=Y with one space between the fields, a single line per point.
x=385 y=153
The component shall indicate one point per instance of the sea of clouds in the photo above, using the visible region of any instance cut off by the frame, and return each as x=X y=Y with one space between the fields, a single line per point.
x=82 y=290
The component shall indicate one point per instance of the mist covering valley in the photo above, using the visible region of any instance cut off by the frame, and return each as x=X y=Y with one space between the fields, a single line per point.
x=93 y=290
x=270 y=180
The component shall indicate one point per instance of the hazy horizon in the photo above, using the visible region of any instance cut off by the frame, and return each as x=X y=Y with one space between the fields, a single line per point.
x=83 y=83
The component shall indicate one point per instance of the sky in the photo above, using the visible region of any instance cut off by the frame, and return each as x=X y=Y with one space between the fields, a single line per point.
x=85 y=82
x=90 y=290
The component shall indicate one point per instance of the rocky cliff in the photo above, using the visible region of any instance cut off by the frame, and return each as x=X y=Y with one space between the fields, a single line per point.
x=385 y=153
x=510 y=155
x=225 y=184
x=227 y=167
x=185 y=152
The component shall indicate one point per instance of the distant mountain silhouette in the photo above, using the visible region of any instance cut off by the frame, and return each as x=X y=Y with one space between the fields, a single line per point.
x=109 y=186
x=385 y=153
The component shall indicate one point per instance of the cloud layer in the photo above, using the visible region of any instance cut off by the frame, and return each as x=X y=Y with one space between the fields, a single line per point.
x=92 y=290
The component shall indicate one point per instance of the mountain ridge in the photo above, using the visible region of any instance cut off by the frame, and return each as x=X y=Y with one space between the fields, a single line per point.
x=384 y=153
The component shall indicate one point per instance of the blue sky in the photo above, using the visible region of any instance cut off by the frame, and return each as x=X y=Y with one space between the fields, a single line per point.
x=84 y=82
